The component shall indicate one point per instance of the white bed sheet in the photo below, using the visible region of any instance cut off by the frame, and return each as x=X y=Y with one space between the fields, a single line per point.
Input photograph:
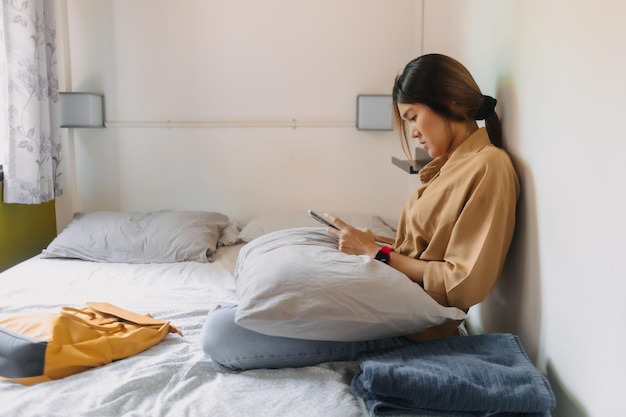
x=173 y=378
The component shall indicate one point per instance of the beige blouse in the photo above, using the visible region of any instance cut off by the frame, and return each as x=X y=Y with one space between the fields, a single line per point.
x=461 y=220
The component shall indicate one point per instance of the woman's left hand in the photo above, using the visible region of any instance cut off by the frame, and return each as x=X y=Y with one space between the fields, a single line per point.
x=352 y=240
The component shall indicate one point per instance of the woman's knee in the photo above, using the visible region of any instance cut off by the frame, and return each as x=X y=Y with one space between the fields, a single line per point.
x=217 y=331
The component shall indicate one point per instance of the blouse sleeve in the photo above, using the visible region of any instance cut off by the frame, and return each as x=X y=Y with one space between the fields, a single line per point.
x=478 y=244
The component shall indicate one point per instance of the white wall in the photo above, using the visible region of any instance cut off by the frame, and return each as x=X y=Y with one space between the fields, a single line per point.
x=223 y=61
x=557 y=68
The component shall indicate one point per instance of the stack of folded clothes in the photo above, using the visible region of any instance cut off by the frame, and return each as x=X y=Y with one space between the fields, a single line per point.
x=464 y=376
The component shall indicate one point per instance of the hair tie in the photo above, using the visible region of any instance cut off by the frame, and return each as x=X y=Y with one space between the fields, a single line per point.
x=487 y=108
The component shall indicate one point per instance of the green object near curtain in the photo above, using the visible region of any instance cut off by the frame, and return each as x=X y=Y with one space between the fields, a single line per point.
x=25 y=230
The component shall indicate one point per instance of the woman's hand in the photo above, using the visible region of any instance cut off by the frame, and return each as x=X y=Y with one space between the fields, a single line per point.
x=353 y=241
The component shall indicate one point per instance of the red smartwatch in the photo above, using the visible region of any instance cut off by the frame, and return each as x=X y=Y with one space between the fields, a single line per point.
x=384 y=254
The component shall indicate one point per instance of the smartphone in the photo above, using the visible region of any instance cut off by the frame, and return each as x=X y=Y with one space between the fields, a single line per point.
x=321 y=219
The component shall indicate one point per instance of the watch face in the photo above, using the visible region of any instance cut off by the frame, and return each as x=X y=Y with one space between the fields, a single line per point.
x=383 y=257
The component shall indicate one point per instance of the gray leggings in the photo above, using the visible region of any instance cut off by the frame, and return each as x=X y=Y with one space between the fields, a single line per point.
x=237 y=348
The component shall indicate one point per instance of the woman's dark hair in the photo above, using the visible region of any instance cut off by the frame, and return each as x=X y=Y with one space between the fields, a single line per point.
x=447 y=87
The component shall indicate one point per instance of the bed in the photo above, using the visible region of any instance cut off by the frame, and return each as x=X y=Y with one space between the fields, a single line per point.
x=179 y=265
x=173 y=378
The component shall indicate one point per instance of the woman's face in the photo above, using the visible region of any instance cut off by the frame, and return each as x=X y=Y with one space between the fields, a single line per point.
x=432 y=130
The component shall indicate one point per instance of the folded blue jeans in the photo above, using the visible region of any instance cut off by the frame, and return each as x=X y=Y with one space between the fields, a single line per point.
x=237 y=348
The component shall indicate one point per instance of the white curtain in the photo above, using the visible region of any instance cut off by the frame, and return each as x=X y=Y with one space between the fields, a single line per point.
x=30 y=102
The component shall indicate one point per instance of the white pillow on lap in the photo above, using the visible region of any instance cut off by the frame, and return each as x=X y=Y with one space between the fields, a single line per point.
x=296 y=283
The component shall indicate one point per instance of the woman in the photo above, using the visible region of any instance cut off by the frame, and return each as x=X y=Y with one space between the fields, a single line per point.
x=453 y=234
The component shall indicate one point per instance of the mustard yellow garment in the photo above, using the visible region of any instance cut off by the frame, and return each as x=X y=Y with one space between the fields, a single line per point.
x=461 y=220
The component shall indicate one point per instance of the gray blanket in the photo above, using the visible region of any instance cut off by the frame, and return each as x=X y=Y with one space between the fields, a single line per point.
x=486 y=375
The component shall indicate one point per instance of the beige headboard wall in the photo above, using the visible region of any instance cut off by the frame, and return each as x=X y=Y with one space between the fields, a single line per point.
x=25 y=229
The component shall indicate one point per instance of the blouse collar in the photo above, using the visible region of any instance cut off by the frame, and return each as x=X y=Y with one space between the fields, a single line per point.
x=474 y=143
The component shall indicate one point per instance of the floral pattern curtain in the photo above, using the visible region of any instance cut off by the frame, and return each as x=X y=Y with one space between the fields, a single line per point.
x=32 y=169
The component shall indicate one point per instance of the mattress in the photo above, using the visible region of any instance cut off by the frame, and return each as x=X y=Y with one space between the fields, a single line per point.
x=173 y=378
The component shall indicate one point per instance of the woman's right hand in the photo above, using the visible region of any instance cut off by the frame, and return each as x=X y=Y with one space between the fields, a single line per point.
x=352 y=240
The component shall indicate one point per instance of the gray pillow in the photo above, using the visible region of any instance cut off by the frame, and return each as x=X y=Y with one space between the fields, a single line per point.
x=140 y=237
x=295 y=283
x=292 y=219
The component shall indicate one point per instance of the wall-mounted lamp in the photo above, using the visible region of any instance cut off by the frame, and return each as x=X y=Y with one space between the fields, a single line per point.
x=81 y=109
x=373 y=112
